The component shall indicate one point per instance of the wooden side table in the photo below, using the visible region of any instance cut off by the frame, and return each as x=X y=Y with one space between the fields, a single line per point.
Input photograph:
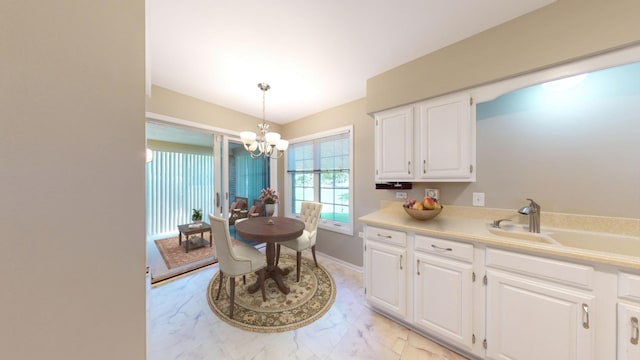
x=189 y=229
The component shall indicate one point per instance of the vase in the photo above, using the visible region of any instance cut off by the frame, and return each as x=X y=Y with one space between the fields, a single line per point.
x=269 y=209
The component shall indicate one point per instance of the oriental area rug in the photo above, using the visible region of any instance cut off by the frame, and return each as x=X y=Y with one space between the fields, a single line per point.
x=177 y=261
x=308 y=300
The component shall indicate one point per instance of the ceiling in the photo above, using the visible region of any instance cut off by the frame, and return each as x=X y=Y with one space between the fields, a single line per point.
x=315 y=54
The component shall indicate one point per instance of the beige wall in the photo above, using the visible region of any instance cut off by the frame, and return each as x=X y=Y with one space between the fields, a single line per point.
x=347 y=248
x=563 y=31
x=72 y=170
x=170 y=103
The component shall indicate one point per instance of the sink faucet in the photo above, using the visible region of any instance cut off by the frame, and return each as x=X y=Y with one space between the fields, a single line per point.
x=533 y=210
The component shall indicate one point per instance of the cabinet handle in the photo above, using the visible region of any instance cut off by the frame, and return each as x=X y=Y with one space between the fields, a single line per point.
x=385 y=236
x=441 y=248
x=418 y=267
x=585 y=316
x=409 y=167
x=634 y=331
x=424 y=166
x=400 y=262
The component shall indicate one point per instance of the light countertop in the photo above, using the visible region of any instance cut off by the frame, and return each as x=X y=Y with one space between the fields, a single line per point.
x=471 y=225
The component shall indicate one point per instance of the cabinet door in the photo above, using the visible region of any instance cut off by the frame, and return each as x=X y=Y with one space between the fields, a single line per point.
x=628 y=332
x=386 y=277
x=394 y=144
x=443 y=298
x=532 y=320
x=445 y=141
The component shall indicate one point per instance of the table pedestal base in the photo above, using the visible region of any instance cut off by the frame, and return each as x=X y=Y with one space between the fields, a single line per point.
x=272 y=271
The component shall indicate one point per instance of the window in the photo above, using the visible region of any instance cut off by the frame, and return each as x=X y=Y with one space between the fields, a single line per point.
x=319 y=169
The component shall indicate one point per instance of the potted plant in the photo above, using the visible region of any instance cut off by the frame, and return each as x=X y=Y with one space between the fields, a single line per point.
x=269 y=198
x=197 y=216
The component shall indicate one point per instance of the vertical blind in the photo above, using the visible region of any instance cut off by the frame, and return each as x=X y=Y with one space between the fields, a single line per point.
x=249 y=175
x=177 y=183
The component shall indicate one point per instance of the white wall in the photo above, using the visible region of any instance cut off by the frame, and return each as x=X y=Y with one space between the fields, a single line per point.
x=72 y=265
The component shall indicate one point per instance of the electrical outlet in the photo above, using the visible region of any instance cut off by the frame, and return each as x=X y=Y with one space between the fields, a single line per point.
x=434 y=193
x=401 y=195
x=478 y=199
x=361 y=234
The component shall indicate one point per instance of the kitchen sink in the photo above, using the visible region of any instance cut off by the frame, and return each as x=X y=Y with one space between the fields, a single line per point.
x=611 y=243
x=520 y=232
x=619 y=244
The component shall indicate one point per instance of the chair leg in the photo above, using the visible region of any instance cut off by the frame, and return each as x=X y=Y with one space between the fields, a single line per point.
x=232 y=295
x=313 y=251
x=277 y=254
x=261 y=279
x=244 y=280
x=298 y=263
x=220 y=286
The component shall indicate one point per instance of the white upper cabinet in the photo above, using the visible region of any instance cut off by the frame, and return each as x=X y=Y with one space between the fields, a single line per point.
x=445 y=144
x=429 y=141
x=394 y=144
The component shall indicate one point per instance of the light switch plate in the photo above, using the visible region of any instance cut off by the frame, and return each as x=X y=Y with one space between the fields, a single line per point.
x=478 y=199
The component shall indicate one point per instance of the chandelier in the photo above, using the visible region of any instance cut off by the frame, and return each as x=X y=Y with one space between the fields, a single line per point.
x=268 y=143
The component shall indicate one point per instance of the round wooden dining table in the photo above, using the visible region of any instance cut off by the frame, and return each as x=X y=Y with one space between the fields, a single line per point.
x=270 y=230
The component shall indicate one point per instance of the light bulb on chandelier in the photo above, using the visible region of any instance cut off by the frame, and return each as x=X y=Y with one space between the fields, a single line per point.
x=268 y=143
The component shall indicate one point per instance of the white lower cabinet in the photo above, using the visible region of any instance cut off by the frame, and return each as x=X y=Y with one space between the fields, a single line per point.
x=443 y=298
x=628 y=332
x=628 y=312
x=385 y=271
x=531 y=320
x=499 y=304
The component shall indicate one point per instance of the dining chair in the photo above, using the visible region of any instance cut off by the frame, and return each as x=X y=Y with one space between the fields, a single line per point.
x=235 y=259
x=309 y=215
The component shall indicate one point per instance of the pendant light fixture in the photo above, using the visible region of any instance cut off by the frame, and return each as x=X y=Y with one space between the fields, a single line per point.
x=267 y=144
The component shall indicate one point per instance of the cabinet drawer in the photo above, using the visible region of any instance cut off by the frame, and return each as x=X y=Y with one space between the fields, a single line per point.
x=547 y=269
x=629 y=286
x=448 y=248
x=387 y=236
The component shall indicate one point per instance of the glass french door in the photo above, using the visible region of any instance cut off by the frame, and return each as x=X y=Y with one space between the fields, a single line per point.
x=197 y=168
x=240 y=175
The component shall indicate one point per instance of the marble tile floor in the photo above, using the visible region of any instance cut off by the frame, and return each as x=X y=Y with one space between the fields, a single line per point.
x=180 y=325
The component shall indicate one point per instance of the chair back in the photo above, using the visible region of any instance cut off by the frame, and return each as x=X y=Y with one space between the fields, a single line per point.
x=221 y=241
x=239 y=202
x=256 y=208
x=310 y=215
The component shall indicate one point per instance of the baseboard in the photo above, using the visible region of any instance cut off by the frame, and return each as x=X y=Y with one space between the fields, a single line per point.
x=341 y=262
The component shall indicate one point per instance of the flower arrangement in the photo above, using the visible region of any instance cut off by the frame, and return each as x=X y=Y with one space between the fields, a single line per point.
x=269 y=196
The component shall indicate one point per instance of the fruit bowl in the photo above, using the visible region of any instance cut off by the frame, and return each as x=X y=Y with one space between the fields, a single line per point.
x=422 y=214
